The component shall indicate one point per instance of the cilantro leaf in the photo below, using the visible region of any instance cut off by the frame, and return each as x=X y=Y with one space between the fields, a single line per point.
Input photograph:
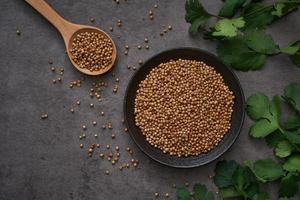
x=293 y=50
x=228 y=27
x=258 y=106
x=223 y=173
x=293 y=136
x=266 y=170
x=292 y=95
x=229 y=192
x=274 y=138
x=230 y=7
x=259 y=41
x=278 y=9
x=283 y=8
x=292 y=123
x=261 y=196
x=265 y=113
x=284 y=149
x=258 y=15
x=235 y=53
x=292 y=164
x=183 y=194
x=201 y=193
x=196 y=15
x=288 y=186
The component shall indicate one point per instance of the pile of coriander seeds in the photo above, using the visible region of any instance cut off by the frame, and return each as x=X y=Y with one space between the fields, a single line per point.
x=183 y=107
x=92 y=51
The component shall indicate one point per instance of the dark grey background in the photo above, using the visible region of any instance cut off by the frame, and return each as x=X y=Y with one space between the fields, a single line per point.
x=41 y=159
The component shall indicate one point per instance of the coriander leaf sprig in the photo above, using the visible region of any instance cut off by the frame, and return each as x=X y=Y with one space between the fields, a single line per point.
x=247 y=28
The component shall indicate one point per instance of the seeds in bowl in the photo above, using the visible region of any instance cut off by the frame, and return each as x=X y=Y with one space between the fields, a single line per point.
x=92 y=51
x=183 y=107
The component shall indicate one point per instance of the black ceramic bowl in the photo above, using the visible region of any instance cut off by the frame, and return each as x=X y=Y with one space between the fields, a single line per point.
x=237 y=116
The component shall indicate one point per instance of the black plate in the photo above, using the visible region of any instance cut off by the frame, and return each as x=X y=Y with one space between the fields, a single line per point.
x=236 y=121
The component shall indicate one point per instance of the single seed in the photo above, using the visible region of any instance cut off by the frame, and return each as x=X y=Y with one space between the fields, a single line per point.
x=94 y=123
x=117 y=148
x=167 y=195
x=90 y=154
x=59 y=79
x=111 y=29
x=127 y=149
x=155 y=6
x=90 y=150
x=83 y=135
x=170 y=27
x=80 y=137
x=174 y=185
x=44 y=116
x=78 y=102
x=161 y=34
x=96 y=135
x=84 y=127
x=126 y=47
x=126 y=129
x=92 y=19
x=134 y=68
x=186 y=184
x=72 y=110
x=101 y=155
x=141 y=62
x=98 y=145
x=91 y=105
x=135 y=164
x=52 y=69
x=107 y=146
x=18 y=32
x=156 y=194
x=117 y=79
x=102 y=113
x=150 y=12
x=113 y=162
x=113 y=136
x=147 y=47
x=81 y=146
x=126 y=53
x=54 y=81
x=192 y=193
x=139 y=46
x=120 y=168
x=146 y=40
x=107 y=172
x=128 y=66
x=103 y=126
x=151 y=17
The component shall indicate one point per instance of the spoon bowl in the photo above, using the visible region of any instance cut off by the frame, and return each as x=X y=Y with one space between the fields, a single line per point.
x=69 y=31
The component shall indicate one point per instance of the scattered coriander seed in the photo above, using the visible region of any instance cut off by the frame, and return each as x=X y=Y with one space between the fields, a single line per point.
x=139 y=47
x=165 y=30
x=130 y=152
x=146 y=40
x=113 y=136
x=107 y=146
x=84 y=127
x=169 y=27
x=78 y=102
x=71 y=85
x=167 y=195
x=126 y=47
x=151 y=17
x=161 y=33
x=80 y=137
x=52 y=69
x=147 y=47
x=98 y=145
x=116 y=159
x=192 y=193
x=109 y=158
x=134 y=68
x=102 y=113
x=109 y=125
x=117 y=1
x=81 y=146
x=155 y=6
x=44 y=116
x=53 y=81
x=120 y=168
x=132 y=160
x=107 y=172
x=118 y=154
x=91 y=105
x=111 y=29
x=59 y=79
x=150 y=12
x=90 y=154
x=94 y=123
x=140 y=62
x=119 y=25
x=113 y=162
x=126 y=129
x=72 y=110
x=83 y=135
x=156 y=194
x=127 y=165
x=110 y=155
x=119 y=21
x=96 y=135
x=90 y=150
x=103 y=126
x=127 y=149
x=174 y=185
x=18 y=32
x=92 y=19
x=128 y=67
x=186 y=184
x=117 y=148
x=101 y=155
x=117 y=80
x=135 y=164
x=126 y=52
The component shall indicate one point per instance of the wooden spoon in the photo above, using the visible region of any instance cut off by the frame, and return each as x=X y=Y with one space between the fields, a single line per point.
x=69 y=30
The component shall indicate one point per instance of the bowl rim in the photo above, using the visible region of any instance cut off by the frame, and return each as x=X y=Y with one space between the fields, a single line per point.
x=230 y=143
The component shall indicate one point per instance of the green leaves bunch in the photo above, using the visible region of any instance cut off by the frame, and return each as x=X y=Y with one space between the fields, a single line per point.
x=240 y=30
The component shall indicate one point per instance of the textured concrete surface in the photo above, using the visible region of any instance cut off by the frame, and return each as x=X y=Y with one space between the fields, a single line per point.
x=41 y=159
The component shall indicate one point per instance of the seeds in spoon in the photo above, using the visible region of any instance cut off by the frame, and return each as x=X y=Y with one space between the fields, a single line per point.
x=92 y=51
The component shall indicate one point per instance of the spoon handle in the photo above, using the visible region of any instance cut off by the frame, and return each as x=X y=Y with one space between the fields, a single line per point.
x=64 y=27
